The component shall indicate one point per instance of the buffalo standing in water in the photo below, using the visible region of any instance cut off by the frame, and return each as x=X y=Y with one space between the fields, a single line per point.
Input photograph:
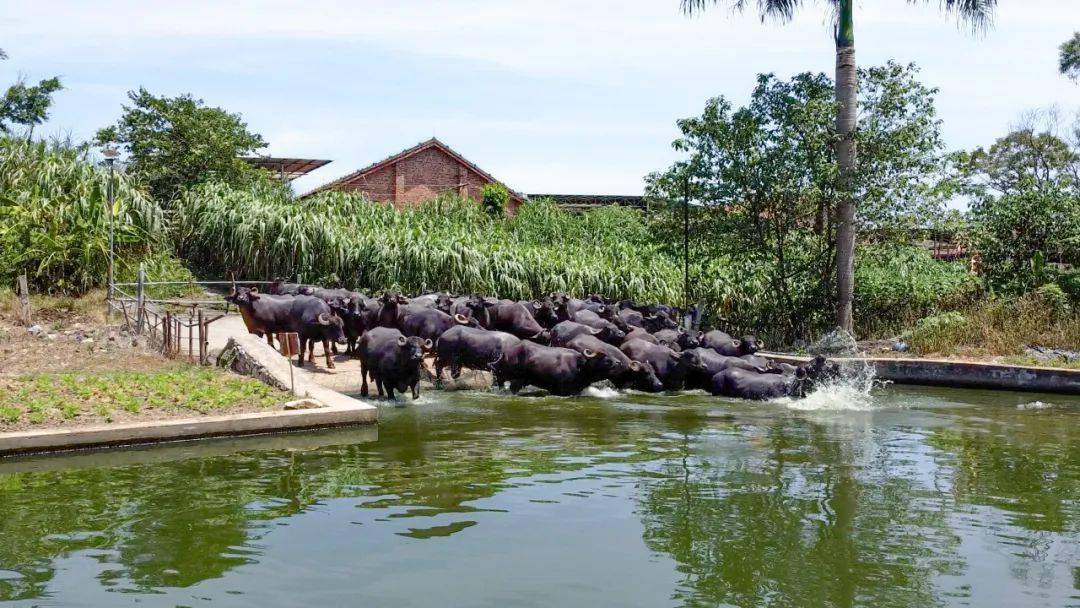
x=392 y=359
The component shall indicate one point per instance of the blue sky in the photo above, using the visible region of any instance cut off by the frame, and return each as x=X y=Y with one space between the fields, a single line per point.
x=555 y=96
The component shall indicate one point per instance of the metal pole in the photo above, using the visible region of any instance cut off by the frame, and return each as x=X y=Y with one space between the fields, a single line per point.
x=111 y=198
x=686 y=243
x=140 y=297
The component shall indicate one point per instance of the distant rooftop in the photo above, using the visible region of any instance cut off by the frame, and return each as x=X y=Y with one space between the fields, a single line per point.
x=287 y=169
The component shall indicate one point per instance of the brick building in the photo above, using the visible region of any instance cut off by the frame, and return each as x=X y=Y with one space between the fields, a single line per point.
x=417 y=174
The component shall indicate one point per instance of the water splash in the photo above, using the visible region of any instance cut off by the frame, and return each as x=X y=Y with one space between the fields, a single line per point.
x=1035 y=405
x=602 y=392
x=852 y=390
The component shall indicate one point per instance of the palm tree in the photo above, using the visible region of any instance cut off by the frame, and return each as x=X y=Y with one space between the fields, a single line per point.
x=976 y=12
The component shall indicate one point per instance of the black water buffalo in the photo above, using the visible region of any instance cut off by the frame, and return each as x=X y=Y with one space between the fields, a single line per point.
x=438 y=301
x=392 y=359
x=565 y=331
x=639 y=333
x=514 y=318
x=263 y=314
x=746 y=384
x=566 y=307
x=311 y=318
x=761 y=362
x=624 y=371
x=560 y=371
x=714 y=363
x=677 y=339
x=544 y=311
x=314 y=321
x=715 y=338
x=594 y=320
x=650 y=322
x=471 y=347
x=424 y=322
x=389 y=309
x=747 y=345
x=670 y=367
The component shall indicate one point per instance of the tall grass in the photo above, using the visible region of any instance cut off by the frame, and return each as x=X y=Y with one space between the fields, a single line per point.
x=447 y=244
x=54 y=218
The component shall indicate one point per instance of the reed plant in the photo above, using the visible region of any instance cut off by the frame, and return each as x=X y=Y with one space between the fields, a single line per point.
x=54 y=217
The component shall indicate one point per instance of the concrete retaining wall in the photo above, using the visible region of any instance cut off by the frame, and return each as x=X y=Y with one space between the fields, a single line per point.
x=963 y=374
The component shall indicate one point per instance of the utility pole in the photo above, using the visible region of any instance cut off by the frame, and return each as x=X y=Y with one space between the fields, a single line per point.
x=110 y=153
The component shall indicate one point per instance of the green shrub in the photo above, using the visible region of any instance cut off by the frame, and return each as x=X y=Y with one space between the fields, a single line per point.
x=938 y=333
x=1054 y=299
x=494 y=198
x=895 y=285
x=1069 y=282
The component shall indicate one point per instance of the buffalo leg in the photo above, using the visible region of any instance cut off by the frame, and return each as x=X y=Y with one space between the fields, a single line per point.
x=311 y=351
x=379 y=386
x=326 y=349
x=416 y=390
x=516 y=386
x=363 y=380
x=300 y=353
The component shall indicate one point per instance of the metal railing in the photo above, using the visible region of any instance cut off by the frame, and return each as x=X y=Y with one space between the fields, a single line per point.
x=169 y=330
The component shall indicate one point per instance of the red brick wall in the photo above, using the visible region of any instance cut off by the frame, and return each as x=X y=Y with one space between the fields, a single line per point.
x=427 y=174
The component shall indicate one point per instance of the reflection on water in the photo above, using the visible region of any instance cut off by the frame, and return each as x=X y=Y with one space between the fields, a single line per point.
x=921 y=498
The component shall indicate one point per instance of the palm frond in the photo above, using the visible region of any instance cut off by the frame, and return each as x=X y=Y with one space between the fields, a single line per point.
x=978 y=14
x=780 y=10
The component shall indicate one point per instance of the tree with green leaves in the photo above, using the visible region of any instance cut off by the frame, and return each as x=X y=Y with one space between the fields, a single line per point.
x=976 y=12
x=761 y=178
x=1025 y=204
x=174 y=143
x=26 y=105
x=1069 y=61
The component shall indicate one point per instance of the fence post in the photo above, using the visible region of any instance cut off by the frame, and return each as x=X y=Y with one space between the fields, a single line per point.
x=191 y=339
x=140 y=298
x=202 y=340
x=24 y=300
x=166 y=334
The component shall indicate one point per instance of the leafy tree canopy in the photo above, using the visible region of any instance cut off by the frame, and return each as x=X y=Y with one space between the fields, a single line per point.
x=177 y=142
x=763 y=180
x=26 y=105
x=1025 y=203
x=1069 y=62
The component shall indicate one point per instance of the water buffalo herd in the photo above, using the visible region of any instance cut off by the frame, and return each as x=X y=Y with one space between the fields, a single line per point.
x=558 y=343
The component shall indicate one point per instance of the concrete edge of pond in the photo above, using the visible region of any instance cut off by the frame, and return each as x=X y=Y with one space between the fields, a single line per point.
x=247 y=355
x=962 y=374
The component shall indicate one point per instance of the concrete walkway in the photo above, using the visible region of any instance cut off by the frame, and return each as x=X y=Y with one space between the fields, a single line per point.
x=345 y=377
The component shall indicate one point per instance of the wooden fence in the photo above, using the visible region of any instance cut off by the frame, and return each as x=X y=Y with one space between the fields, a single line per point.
x=168 y=329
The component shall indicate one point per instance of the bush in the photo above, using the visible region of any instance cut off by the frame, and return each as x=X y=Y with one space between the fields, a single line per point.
x=1069 y=282
x=938 y=333
x=895 y=285
x=54 y=220
x=1054 y=299
x=494 y=198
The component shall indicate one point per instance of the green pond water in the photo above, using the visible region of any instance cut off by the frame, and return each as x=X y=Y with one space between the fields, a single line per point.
x=917 y=497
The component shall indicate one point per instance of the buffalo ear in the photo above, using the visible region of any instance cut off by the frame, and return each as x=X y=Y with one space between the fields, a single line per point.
x=635 y=366
x=253 y=295
x=535 y=304
x=428 y=344
x=401 y=341
x=324 y=319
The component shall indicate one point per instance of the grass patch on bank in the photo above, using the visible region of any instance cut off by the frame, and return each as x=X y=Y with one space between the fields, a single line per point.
x=56 y=399
x=998 y=327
